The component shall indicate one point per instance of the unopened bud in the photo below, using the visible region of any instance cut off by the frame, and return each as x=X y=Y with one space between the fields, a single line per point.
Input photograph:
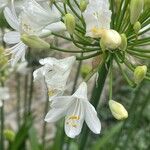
x=110 y=39
x=34 y=42
x=136 y=7
x=9 y=135
x=70 y=23
x=137 y=27
x=140 y=73
x=83 y=5
x=123 y=44
x=118 y=110
x=85 y=70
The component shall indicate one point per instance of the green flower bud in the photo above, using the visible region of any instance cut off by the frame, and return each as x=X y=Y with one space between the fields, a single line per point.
x=83 y=5
x=34 y=42
x=137 y=27
x=9 y=135
x=85 y=70
x=140 y=73
x=110 y=39
x=136 y=7
x=118 y=110
x=70 y=23
x=124 y=42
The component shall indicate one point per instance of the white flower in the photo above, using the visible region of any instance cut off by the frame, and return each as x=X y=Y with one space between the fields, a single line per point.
x=76 y=109
x=22 y=68
x=4 y=95
x=32 y=20
x=55 y=72
x=97 y=16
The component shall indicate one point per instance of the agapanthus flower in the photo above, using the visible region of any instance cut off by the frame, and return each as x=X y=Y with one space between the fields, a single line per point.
x=4 y=95
x=76 y=109
x=31 y=21
x=97 y=16
x=55 y=73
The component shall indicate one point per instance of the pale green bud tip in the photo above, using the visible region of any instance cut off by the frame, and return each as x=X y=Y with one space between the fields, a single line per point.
x=140 y=73
x=136 y=8
x=70 y=23
x=123 y=45
x=83 y=5
x=34 y=42
x=110 y=39
x=85 y=70
x=118 y=110
x=9 y=135
x=137 y=27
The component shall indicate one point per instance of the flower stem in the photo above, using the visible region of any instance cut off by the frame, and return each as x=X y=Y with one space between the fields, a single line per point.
x=96 y=94
x=2 y=127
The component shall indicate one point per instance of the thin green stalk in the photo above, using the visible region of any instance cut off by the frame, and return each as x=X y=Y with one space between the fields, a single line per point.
x=2 y=127
x=111 y=81
x=18 y=99
x=88 y=56
x=96 y=94
x=45 y=123
x=25 y=95
x=30 y=92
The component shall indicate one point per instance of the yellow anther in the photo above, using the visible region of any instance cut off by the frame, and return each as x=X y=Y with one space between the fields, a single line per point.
x=74 y=117
x=51 y=92
x=97 y=32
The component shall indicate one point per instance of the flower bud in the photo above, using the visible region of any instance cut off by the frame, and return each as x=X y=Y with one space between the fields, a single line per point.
x=34 y=42
x=140 y=73
x=110 y=39
x=70 y=23
x=118 y=110
x=123 y=45
x=83 y=5
x=136 y=7
x=9 y=135
x=137 y=27
x=85 y=70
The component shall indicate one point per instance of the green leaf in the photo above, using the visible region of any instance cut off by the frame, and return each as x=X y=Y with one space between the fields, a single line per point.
x=33 y=139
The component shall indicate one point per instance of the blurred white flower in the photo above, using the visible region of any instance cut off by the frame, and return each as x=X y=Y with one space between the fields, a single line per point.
x=32 y=20
x=97 y=16
x=76 y=108
x=4 y=95
x=55 y=72
x=22 y=68
x=3 y=3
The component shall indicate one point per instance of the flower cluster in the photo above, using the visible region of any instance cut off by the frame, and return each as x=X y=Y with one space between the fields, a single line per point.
x=97 y=29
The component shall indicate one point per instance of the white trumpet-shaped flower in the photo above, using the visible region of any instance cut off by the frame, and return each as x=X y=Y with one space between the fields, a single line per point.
x=76 y=109
x=97 y=16
x=4 y=95
x=55 y=72
x=32 y=20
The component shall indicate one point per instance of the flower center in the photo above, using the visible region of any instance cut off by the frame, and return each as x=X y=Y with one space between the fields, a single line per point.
x=51 y=92
x=73 y=121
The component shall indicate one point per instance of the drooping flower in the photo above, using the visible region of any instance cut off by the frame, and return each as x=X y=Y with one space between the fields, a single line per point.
x=55 y=72
x=97 y=16
x=4 y=95
x=76 y=109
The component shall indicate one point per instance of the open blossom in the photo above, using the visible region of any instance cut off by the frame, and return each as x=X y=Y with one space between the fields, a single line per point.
x=55 y=72
x=97 y=16
x=76 y=109
x=25 y=24
x=4 y=95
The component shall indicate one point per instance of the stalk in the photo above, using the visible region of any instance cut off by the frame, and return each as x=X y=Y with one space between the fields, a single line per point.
x=2 y=127
x=96 y=94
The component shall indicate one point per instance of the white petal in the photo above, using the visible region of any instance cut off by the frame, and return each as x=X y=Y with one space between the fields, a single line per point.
x=38 y=74
x=74 y=119
x=81 y=92
x=11 y=19
x=91 y=118
x=56 y=27
x=12 y=37
x=61 y=101
x=55 y=114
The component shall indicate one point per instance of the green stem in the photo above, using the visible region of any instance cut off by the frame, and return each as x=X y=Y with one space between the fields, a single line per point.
x=89 y=56
x=18 y=99
x=96 y=94
x=25 y=95
x=2 y=127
